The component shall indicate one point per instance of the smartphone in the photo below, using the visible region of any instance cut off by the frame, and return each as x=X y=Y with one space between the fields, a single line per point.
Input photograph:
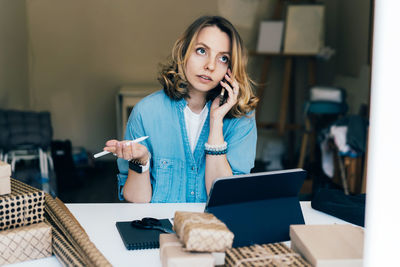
x=223 y=96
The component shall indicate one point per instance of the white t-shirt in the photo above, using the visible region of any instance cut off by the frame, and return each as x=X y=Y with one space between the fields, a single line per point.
x=194 y=124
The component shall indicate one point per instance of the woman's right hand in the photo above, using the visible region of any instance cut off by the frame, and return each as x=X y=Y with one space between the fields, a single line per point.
x=127 y=150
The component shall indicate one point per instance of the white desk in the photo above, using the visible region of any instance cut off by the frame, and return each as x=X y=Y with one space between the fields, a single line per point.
x=98 y=220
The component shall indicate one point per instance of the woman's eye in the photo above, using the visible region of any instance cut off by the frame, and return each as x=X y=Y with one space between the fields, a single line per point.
x=201 y=51
x=224 y=59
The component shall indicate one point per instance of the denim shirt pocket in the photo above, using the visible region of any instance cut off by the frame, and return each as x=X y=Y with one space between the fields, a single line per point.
x=163 y=169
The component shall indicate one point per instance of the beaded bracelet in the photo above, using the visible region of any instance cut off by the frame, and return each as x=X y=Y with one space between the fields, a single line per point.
x=216 y=149
x=211 y=152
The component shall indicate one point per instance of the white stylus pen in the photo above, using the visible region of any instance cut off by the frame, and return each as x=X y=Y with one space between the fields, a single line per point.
x=137 y=140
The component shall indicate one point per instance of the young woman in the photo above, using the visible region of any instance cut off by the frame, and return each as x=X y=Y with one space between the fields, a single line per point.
x=201 y=126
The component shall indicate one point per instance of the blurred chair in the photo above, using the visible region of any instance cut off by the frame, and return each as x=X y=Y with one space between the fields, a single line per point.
x=25 y=136
x=326 y=104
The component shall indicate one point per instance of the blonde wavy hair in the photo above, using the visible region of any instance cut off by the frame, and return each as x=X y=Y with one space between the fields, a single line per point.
x=172 y=76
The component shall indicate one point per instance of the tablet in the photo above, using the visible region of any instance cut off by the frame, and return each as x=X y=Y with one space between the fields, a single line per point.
x=258 y=207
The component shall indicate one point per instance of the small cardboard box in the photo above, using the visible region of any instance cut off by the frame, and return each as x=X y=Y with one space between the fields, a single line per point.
x=25 y=243
x=5 y=186
x=23 y=206
x=173 y=254
x=334 y=245
x=202 y=232
x=5 y=173
x=5 y=170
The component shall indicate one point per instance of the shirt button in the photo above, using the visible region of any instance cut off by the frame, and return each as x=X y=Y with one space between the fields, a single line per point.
x=192 y=193
x=193 y=168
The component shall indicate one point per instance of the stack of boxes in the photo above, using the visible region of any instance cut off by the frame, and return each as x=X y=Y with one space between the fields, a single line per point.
x=198 y=235
x=23 y=233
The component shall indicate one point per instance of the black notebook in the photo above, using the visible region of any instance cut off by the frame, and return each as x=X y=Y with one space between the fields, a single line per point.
x=136 y=238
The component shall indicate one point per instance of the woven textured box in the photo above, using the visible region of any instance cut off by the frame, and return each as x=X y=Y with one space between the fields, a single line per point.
x=274 y=255
x=25 y=243
x=202 y=232
x=24 y=206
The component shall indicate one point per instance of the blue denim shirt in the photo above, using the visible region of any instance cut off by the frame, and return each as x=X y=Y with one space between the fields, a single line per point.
x=177 y=174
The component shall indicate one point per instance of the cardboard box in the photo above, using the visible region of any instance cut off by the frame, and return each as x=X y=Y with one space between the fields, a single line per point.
x=5 y=186
x=274 y=254
x=202 y=232
x=23 y=206
x=172 y=254
x=329 y=245
x=5 y=173
x=25 y=243
x=5 y=170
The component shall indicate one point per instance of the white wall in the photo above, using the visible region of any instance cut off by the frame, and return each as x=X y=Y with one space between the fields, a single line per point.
x=82 y=51
x=14 y=82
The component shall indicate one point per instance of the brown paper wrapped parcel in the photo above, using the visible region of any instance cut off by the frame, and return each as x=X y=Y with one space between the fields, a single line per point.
x=24 y=206
x=329 y=245
x=25 y=243
x=202 y=232
x=5 y=173
x=173 y=254
x=276 y=254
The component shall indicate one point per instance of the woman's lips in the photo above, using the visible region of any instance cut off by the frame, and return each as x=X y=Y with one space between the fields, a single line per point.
x=204 y=78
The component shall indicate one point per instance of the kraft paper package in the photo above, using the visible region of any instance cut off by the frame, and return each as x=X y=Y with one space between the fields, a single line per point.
x=172 y=254
x=25 y=243
x=26 y=208
x=23 y=206
x=332 y=245
x=202 y=232
x=71 y=244
x=274 y=254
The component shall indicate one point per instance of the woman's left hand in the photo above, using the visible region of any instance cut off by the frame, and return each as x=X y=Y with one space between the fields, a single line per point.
x=232 y=87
